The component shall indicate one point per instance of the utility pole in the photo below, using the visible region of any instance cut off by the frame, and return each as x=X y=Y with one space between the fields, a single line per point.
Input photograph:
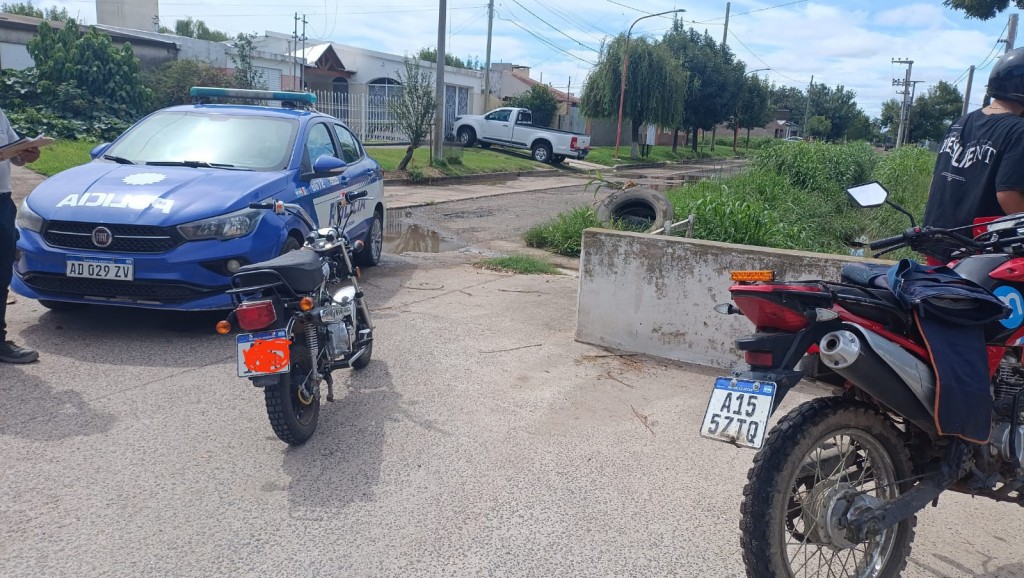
x=967 y=93
x=1011 y=33
x=901 y=133
x=302 y=79
x=910 y=107
x=725 y=34
x=295 y=51
x=487 y=64
x=807 y=110
x=439 y=84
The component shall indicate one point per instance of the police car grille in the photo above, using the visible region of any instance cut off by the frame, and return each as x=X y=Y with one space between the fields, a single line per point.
x=135 y=290
x=127 y=238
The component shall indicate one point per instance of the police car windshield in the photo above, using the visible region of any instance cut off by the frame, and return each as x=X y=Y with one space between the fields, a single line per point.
x=259 y=143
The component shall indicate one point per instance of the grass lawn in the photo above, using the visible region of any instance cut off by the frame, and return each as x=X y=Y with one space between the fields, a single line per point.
x=62 y=155
x=522 y=264
x=606 y=155
x=65 y=154
x=474 y=161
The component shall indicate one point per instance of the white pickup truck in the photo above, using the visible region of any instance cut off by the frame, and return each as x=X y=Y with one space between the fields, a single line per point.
x=513 y=127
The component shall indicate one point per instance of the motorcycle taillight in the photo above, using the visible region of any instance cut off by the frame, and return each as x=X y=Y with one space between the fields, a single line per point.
x=255 y=315
x=759 y=358
x=768 y=314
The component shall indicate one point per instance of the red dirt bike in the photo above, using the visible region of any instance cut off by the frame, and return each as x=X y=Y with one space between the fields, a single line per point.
x=835 y=487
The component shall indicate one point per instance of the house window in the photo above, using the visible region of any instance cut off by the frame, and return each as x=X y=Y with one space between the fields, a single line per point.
x=381 y=90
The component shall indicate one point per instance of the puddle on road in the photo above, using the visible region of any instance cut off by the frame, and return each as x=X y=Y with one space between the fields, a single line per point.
x=401 y=235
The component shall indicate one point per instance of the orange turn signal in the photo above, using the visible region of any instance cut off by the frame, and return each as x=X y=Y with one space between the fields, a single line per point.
x=223 y=327
x=306 y=303
x=359 y=273
x=750 y=276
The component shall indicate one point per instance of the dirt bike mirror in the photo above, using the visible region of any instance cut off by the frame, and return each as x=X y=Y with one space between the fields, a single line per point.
x=868 y=195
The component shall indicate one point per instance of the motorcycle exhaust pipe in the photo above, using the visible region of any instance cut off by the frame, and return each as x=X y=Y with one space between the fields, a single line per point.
x=883 y=370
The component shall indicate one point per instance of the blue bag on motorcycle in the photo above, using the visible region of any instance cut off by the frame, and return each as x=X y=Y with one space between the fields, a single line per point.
x=951 y=313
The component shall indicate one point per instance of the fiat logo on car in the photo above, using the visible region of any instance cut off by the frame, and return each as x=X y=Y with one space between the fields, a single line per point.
x=102 y=237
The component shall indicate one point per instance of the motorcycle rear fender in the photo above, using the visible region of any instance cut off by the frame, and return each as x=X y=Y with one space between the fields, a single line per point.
x=787 y=350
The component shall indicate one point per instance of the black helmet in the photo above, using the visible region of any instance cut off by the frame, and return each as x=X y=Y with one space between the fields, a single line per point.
x=1006 y=82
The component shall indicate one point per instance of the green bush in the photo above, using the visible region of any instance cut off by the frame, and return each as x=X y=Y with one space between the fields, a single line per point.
x=564 y=234
x=827 y=168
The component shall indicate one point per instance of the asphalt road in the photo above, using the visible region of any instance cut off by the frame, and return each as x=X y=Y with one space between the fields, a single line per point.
x=481 y=440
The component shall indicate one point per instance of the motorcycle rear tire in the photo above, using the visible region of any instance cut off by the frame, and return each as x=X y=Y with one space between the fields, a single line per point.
x=768 y=521
x=293 y=421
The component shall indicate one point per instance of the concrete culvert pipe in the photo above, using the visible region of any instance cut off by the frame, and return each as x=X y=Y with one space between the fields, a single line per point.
x=638 y=208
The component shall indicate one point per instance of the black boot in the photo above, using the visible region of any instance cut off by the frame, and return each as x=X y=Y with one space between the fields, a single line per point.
x=11 y=353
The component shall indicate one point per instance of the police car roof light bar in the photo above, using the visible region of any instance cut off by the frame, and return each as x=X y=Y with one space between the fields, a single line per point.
x=301 y=98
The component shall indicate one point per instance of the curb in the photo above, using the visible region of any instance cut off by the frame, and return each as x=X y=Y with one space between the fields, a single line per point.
x=413 y=204
x=436 y=181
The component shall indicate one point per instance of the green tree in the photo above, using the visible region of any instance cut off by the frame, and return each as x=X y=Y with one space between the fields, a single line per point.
x=838 y=105
x=753 y=110
x=90 y=63
x=934 y=111
x=198 y=29
x=413 y=110
x=819 y=127
x=22 y=9
x=982 y=9
x=541 y=102
x=28 y=9
x=789 y=98
x=428 y=54
x=715 y=78
x=890 y=116
x=654 y=88
x=171 y=81
x=246 y=73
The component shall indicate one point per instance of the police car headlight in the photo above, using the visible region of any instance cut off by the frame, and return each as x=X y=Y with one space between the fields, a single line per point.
x=230 y=226
x=28 y=219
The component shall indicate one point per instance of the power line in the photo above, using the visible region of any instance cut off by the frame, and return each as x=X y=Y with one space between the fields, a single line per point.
x=551 y=26
x=546 y=42
x=770 y=67
x=577 y=21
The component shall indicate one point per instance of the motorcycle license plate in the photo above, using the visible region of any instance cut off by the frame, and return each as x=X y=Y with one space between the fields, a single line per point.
x=263 y=353
x=738 y=411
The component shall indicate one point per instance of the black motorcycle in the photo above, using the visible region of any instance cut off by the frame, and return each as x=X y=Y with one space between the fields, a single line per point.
x=304 y=316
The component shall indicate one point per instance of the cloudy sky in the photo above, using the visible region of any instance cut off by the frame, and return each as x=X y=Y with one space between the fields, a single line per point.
x=847 y=42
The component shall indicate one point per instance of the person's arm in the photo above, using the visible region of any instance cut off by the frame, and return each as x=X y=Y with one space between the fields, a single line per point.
x=1011 y=201
x=26 y=156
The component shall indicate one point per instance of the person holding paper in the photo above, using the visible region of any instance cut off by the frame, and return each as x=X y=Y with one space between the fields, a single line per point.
x=9 y=352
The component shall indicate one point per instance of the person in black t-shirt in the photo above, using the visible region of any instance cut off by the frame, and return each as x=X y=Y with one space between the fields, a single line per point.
x=980 y=169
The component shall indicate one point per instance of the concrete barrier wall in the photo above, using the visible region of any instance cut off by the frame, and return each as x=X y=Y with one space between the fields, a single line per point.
x=654 y=294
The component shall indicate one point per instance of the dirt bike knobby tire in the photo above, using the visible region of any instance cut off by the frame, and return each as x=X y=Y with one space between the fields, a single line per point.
x=788 y=441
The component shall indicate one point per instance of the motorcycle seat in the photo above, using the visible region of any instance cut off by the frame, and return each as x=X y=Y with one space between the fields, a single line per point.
x=865 y=275
x=302 y=270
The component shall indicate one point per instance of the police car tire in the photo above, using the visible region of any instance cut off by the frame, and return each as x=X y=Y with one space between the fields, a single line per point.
x=290 y=244
x=366 y=258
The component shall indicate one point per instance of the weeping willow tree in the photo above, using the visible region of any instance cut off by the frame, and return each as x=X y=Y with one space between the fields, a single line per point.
x=655 y=87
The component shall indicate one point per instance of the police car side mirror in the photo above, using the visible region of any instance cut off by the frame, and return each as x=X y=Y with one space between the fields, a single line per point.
x=328 y=166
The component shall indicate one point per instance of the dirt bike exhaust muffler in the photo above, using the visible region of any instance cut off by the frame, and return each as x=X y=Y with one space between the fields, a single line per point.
x=884 y=370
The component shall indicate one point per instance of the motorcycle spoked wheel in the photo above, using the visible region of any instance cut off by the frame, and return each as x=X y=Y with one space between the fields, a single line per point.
x=798 y=489
x=293 y=415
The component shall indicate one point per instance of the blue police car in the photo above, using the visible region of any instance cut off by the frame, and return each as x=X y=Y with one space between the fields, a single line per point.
x=160 y=218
